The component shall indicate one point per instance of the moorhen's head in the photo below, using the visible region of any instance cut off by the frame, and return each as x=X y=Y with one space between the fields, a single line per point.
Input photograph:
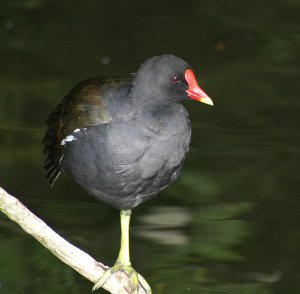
x=167 y=78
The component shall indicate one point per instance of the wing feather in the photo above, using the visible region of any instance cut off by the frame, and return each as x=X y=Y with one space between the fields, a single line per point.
x=84 y=106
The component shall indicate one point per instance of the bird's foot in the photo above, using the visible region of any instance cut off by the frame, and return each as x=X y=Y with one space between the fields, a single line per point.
x=135 y=278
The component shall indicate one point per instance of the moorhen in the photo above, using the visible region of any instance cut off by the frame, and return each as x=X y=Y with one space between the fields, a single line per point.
x=124 y=139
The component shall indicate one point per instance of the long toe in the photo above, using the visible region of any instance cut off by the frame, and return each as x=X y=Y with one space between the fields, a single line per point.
x=144 y=284
x=107 y=274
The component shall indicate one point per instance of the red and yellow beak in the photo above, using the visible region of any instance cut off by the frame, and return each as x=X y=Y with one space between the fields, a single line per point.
x=194 y=91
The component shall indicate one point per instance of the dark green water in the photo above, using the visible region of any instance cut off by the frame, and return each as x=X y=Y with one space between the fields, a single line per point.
x=231 y=224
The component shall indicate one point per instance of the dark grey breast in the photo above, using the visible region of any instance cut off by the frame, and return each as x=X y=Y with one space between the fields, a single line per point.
x=124 y=163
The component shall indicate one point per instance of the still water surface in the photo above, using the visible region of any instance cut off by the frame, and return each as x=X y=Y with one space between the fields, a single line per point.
x=231 y=223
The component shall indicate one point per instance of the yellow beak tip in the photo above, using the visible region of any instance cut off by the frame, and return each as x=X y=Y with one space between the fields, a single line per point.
x=206 y=100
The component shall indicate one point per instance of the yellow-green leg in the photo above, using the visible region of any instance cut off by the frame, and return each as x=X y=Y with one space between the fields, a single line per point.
x=123 y=262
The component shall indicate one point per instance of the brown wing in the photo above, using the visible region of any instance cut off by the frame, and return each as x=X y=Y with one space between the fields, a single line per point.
x=82 y=107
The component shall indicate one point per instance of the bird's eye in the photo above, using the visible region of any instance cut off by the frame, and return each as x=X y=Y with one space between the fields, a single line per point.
x=175 y=79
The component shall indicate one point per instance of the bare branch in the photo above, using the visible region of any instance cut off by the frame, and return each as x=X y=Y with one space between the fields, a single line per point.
x=66 y=252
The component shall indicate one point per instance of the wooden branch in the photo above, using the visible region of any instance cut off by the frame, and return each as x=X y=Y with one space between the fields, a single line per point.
x=66 y=252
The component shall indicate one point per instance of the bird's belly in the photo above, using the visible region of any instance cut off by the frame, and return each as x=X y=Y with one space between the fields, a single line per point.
x=129 y=168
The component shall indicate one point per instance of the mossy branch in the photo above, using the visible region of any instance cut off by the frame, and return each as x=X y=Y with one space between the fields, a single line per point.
x=65 y=251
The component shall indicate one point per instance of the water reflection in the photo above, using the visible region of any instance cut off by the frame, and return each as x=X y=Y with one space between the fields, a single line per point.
x=163 y=225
